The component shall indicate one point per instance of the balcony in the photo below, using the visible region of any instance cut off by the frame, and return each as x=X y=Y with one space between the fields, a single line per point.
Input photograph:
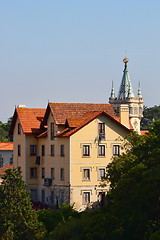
x=47 y=182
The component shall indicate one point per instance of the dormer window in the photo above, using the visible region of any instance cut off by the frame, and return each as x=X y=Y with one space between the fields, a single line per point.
x=52 y=131
x=101 y=131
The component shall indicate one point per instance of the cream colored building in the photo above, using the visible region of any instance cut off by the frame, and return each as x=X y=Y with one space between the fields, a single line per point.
x=63 y=151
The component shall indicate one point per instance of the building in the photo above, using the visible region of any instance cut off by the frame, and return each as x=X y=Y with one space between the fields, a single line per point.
x=6 y=153
x=62 y=151
x=126 y=97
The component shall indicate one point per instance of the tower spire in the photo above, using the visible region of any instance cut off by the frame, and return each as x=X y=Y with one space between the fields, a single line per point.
x=112 y=92
x=139 y=91
x=125 y=90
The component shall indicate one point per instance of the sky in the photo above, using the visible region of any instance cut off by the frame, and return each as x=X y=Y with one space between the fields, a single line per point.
x=71 y=50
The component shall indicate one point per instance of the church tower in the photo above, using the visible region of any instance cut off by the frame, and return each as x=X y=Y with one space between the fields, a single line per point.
x=126 y=98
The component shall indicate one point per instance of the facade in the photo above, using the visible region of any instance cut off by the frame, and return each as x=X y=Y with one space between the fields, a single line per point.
x=6 y=153
x=126 y=97
x=62 y=151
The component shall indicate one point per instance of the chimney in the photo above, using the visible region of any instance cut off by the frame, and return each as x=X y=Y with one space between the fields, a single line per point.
x=124 y=115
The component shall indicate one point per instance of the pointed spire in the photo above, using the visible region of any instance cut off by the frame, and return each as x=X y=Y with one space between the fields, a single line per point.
x=125 y=90
x=139 y=91
x=112 y=92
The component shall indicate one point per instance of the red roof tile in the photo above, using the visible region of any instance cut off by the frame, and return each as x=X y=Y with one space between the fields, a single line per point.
x=6 y=146
x=144 y=132
x=63 y=111
x=29 y=118
x=89 y=117
x=4 y=168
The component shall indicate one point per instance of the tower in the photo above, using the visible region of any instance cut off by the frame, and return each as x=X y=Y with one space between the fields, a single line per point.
x=126 y=98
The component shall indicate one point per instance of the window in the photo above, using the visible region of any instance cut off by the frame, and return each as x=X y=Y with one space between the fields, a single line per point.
x=1 y=161
x=52 y=131
x=116 y=150
x=52 y=197
x=11 y=160
x=62 y=174
x=33 y=172
x=86 y=150
x=52 y=173
x=19 y=169
x=19 y=150
x=86 y=197
x=19 y=128
x=101 y=131
x=43 y=196
x=86 y=174
x=52 y=150
x=43 y=172
x=33 y=150
x=43 y=150
x=62 y=150
x=101 y=150
x=101 y=173
x=34 y=194
x=61 y=197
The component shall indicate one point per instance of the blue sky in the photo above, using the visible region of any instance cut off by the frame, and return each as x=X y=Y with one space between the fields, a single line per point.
x=70 y=51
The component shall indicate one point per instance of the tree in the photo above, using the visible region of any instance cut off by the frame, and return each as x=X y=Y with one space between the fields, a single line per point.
x=4 y=131
x=135 y=186
x=18 y=220
x=150 y=114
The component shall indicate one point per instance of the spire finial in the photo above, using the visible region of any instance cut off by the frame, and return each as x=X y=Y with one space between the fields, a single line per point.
x=112 y=91
x=125 y=60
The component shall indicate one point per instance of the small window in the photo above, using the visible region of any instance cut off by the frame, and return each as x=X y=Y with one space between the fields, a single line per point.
x=52 y=131
x=101 y=173
x=62 y=174
x=1 y=161
x=34 y=194
x=33 y=150
x=19 y=128
x=101 y=150
x=19 y=150
x=52 y=173
x=116 y=150
x=52 y=150
x=43 y=150
x=62 y=150
x=86 y=174
x=43 y=196
x=62 y=197
x=86 y=197
x=86 y=150
x=33 y=172
x=43 y=172
x=101 y=131
x=52 y=197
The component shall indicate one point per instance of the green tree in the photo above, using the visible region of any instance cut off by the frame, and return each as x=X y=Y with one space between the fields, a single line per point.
x=150 y=114
x=18 y=220
x=135 y=186
x=4 y=131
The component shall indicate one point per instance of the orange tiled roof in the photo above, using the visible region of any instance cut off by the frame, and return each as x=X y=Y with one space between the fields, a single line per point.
x=89 y=117
x=4 y=168
x=29 y=118
x=63 y=111
x=144 y=132
x=6 y=146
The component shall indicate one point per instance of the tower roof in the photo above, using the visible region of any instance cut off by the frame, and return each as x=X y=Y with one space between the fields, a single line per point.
x=126 y=90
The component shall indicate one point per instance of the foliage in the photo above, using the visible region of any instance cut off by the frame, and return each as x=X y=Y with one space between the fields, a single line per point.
x=52 y=218
x=4 y=131
x=18 y=220
x=150 y=114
